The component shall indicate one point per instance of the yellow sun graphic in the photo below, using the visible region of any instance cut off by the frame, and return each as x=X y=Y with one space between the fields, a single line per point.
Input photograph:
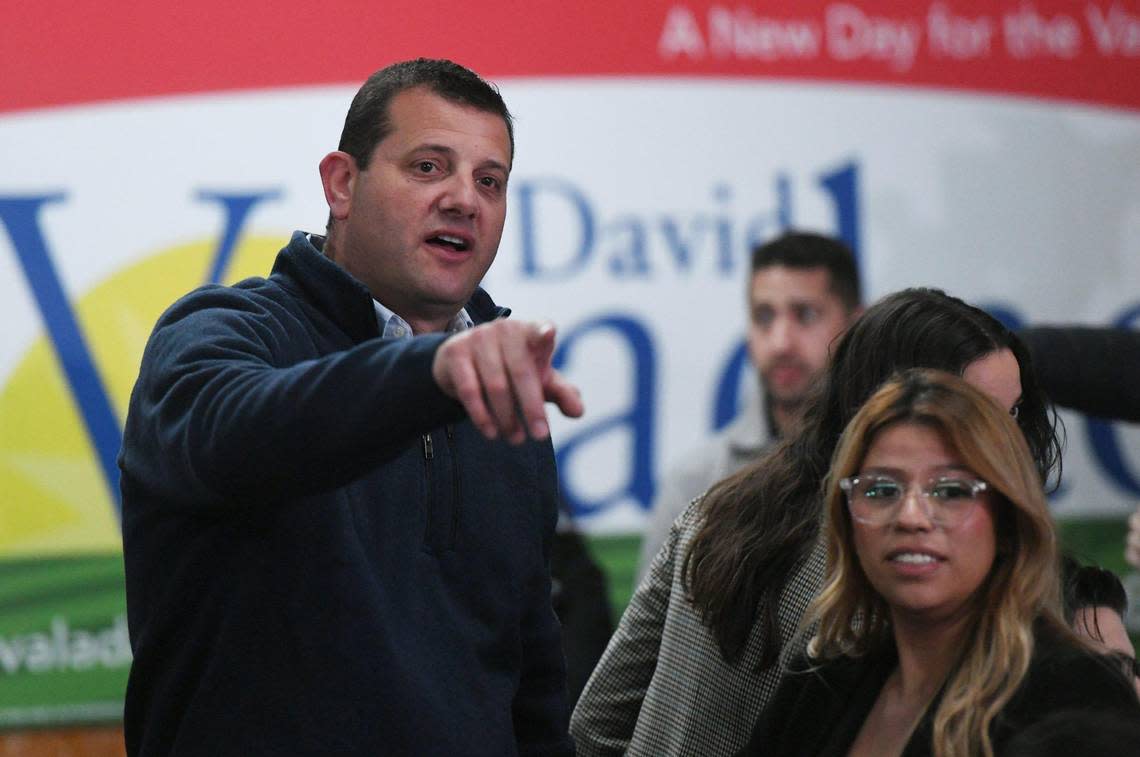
x=53 y=498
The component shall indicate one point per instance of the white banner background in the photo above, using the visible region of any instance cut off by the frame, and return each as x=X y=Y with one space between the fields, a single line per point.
x=1029 y=206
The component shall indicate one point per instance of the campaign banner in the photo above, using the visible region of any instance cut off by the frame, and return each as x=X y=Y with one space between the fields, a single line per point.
x=59 y=52
x=992 y=150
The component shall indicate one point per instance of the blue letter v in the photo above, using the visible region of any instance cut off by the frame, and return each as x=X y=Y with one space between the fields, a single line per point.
x=20 y=215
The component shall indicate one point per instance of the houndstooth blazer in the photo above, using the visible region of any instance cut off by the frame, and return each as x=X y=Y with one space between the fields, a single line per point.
x=662 y=687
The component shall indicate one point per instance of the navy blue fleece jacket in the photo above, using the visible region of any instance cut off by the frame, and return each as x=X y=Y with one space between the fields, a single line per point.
x=323 y=555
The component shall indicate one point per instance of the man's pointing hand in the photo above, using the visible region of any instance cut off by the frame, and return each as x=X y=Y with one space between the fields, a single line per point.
x=501 y=373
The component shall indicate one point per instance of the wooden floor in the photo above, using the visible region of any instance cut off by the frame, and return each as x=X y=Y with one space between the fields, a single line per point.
x=63 y=742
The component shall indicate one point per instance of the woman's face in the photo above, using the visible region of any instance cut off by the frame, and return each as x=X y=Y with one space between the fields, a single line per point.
x=998 y=375
x=924 y=571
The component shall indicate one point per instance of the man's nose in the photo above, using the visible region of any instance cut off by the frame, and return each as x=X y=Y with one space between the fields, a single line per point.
x=460 y=196
x=780 y=334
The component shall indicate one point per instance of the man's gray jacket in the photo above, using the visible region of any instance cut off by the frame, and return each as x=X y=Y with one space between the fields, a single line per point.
x=736 y=445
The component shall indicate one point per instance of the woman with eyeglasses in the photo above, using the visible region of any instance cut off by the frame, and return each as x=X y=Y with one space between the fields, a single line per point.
x=701 y=647
x=940 y=624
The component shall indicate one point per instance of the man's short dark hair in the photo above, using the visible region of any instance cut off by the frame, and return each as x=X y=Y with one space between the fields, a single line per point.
x=800 y=249
x=1090 y=586
x=368 y=122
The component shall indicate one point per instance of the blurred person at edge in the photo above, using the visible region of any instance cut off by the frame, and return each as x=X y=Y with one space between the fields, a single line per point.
x=1093 y=370
x=700 y=648
x=339 y=491
x=1090 y=369
x=1132 y=542
x=803 y=292
x=1095 y=608
x=940 y=621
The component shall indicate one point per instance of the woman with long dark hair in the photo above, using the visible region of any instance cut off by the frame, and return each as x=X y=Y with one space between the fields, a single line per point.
x=940 y=622
x=696 y=655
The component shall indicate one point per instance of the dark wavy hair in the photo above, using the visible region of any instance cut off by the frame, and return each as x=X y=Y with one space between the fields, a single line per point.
x=759 y=524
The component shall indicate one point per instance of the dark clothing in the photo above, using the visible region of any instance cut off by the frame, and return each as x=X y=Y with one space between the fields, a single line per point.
x=1088 y=369
x=323 y=555
x=582 y=603
x=821 y=711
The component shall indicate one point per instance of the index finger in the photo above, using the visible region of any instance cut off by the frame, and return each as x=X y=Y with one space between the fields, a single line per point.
x=563 y=394
x=526 y=382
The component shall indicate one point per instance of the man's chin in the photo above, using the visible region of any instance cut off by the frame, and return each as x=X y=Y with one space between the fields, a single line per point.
x=787 y=401
x=790 y=393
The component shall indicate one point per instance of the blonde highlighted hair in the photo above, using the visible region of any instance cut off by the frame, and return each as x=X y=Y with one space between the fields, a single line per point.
x=1022 y=586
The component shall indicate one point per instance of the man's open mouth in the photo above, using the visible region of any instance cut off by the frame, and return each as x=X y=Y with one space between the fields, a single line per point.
x=451 y=242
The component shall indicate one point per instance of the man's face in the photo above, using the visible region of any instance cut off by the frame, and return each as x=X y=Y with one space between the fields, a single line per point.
x=794 y=318
x=422 y=223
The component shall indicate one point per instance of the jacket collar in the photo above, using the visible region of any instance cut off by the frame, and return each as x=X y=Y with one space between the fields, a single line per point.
x=342 y=297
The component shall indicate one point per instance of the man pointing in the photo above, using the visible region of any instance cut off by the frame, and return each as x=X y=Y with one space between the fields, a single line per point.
x=338 y=484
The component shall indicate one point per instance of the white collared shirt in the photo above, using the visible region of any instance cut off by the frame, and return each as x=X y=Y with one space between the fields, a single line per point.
x=393 y=326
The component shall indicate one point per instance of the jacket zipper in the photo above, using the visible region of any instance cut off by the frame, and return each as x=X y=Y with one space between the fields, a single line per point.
x=429 y=455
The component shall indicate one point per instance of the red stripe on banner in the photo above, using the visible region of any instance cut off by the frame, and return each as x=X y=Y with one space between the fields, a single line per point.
x=56 y=53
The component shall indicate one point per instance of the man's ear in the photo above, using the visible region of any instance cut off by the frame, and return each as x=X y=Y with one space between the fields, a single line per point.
x=338 y=176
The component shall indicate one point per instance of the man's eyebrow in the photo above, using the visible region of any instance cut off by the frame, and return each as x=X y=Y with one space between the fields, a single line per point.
x=450 y=152
x=427 y=147
x=497 y=165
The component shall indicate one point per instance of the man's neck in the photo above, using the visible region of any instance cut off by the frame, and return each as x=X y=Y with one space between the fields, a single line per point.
x=395 y=322
x=433 y=326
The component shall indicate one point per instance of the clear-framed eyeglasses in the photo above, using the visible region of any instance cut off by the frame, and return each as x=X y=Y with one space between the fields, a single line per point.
x=874 y=499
